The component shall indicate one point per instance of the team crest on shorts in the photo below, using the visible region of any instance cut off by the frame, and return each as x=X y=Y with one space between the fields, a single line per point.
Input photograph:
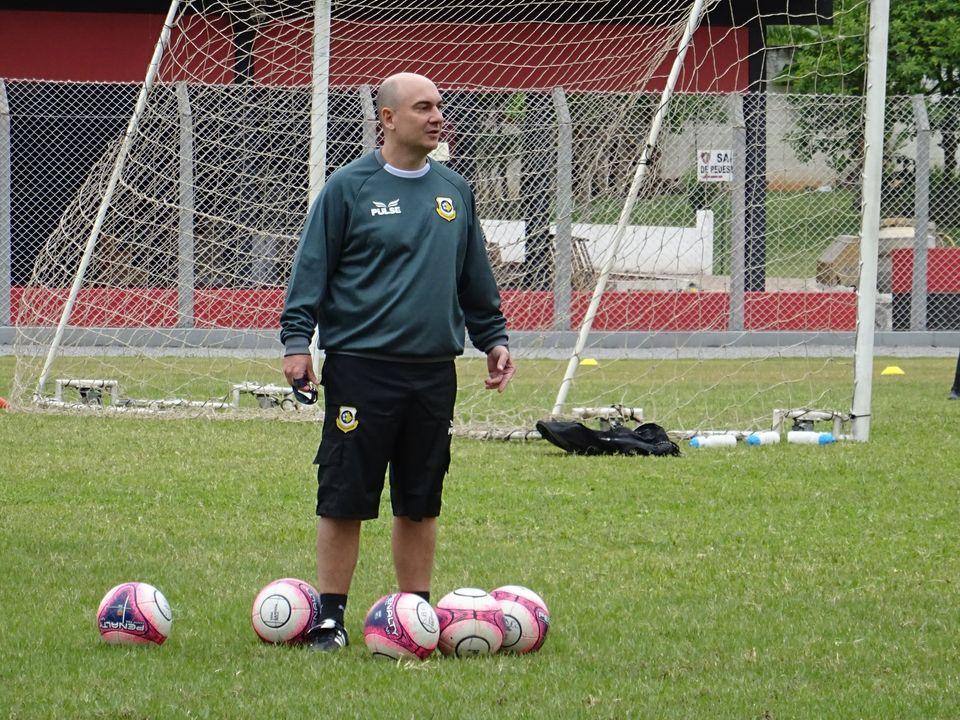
x=445 y=209
x=347 y=418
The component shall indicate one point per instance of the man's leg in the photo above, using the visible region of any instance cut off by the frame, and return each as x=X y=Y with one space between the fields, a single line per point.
x=414 y=543
x=955 y=390
x=338 y=546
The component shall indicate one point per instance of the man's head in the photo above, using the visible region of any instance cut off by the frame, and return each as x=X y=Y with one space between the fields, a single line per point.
x=409 y=106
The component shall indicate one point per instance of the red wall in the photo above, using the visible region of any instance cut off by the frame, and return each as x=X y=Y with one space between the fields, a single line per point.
x=118 y=46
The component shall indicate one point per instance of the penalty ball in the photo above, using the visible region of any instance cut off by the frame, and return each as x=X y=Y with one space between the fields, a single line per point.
x=134 y=613
x=471 y=623
x=401 y=625
x=285 y=610
x=525 y=616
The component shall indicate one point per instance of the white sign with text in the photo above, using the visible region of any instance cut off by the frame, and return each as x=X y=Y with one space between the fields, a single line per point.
x=714 y=166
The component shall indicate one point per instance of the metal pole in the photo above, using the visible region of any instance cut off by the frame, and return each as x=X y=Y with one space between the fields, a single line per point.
x=6 y=226
x=564 y=212
x=320 y=98
x=185 y=250
x=921 y=217
x=118 y=164
x=693 y=21
x=369 y=119
x=870 y=223
x=738 y=215
x=319 y=113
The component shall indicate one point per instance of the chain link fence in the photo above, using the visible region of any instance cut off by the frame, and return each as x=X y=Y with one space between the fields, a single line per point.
x=749 y=221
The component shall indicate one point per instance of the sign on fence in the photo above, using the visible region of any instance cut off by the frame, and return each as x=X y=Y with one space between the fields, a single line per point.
x=714 y=166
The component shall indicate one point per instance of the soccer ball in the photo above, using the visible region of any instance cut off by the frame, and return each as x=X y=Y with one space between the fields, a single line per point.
x=401 y=625
x=134 y=613
x=471 y=623
x=285 y=610
x=525 y=616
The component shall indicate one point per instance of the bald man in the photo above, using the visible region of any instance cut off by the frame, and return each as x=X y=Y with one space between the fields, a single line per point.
x=390 y=270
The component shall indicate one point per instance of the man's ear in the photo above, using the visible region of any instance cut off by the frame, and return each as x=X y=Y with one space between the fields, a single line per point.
x=386 y=118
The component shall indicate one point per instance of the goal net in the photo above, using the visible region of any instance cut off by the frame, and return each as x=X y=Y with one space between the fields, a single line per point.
x=686 y=177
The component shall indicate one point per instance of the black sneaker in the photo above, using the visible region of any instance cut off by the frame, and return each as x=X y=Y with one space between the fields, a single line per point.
x=954 y=395
x=328 y=636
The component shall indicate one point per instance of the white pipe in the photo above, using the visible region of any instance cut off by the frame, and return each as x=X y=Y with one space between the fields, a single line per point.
x=152 y=71
x=319 y=112
x=319 y=98
x=642 y=167
x=870 y=220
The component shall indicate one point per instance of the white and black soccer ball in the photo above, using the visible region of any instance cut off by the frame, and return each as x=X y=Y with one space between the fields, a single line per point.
x=525 y=617
x=471 y=623
x=401 y=625
x=284 y=610
x=134 y=613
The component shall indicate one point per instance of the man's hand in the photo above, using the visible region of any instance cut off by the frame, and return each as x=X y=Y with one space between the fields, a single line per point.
x=500 y=368
x=297 y=367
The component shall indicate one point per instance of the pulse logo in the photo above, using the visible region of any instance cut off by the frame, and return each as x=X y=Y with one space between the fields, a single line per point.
x=390 y=208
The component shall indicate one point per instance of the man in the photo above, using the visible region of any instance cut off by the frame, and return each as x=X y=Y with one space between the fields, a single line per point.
x=955 y=390
x=390 y=268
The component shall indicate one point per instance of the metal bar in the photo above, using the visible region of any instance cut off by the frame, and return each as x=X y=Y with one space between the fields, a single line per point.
x=562 y=278
x=151 y=76
x=185 y=254
x=369 y=119
x=738 y=215
x=6 y=226
x=319 y=98
x=870 y=222
x=640 y=174
x=921 y=217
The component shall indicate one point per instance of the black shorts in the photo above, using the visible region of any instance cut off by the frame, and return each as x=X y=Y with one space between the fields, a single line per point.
x=379 y=412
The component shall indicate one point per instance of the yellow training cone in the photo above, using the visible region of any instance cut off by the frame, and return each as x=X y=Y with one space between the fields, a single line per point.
x=588 y=361
x=892 y=370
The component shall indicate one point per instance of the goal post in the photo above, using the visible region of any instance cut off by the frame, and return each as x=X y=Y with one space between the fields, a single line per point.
x=680 y=198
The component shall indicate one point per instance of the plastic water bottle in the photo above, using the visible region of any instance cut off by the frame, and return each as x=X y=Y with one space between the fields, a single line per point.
x=809 y=437
x=710 y=441
x=766 y=437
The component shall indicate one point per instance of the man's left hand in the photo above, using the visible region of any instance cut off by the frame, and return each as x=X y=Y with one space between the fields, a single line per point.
x=500 y=368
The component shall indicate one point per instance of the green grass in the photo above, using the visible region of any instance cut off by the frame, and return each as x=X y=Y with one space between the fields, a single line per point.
x=799 y=224
x=774 y=582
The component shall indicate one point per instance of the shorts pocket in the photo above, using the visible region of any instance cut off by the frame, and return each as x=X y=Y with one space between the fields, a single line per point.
x=329 y=454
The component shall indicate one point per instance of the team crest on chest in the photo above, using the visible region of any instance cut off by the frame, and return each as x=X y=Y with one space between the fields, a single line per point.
x=445 y=209
x=347 y=418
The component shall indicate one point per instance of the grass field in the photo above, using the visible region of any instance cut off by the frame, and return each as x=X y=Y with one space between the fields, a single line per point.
x=772 y=582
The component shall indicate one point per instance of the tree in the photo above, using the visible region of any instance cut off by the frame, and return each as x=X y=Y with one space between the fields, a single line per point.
x=924 y=53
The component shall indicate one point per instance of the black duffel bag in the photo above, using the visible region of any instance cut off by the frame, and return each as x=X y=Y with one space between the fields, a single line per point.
x=577 y=438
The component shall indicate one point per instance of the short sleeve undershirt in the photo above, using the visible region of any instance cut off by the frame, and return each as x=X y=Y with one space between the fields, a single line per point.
x=397 y=172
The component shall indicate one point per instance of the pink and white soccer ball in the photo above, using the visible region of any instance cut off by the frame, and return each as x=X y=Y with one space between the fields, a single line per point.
x=134 y=613
x=401 y=625
x=525 y=616
x=285 y=610
x=471 y=623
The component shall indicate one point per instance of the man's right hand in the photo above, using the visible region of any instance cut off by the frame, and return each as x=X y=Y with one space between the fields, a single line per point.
x=297 y=367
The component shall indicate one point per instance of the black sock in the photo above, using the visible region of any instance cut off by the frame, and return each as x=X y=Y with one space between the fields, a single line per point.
x=332 y=605
x=425 y=594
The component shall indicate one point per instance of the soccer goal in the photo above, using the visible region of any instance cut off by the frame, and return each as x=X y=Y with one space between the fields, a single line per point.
x=663 y=185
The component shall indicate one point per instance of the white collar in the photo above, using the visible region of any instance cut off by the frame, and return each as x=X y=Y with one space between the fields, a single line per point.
x=397 y=172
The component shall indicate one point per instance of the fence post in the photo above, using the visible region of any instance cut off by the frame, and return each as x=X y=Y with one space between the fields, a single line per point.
x=738 y=215
x=6 y=239
x=369 y=120
x=921 y=217
x=564 y=213
x=185 y=263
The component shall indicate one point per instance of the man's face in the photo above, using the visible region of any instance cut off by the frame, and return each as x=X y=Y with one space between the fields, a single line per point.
x=417 y=118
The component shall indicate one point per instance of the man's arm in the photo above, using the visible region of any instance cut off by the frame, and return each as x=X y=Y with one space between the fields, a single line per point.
x=317 y=255
x=480 y=300
x=478 y=293
x=314 y=263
